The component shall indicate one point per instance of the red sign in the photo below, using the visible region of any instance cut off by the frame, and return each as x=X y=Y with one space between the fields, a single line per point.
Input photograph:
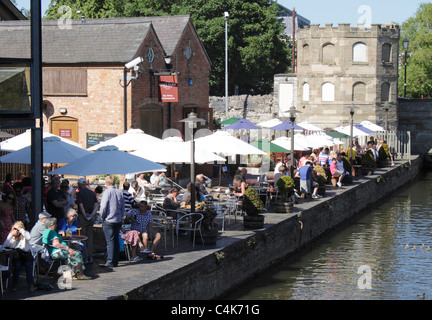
x=65 y=133
x=168 y=88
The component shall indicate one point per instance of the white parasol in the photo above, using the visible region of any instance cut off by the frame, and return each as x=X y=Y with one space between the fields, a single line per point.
x=54 y=149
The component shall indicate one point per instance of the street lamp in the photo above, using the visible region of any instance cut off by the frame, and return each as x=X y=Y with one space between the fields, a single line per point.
x=191 y=122
x=292 y=112
x=352 y=109
x=405 y=43
x=226 y=64
x=386 y=109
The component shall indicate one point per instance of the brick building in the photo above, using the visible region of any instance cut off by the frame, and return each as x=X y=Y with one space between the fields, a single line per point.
x=83 y=72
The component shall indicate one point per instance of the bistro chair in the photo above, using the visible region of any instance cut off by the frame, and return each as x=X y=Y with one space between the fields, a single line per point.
x=190 y=222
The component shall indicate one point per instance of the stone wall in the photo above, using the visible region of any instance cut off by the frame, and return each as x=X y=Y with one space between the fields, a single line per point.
x=253 y=108
x=415 y=115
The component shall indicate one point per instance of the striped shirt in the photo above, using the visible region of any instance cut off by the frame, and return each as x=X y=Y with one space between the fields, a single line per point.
x=323 y=159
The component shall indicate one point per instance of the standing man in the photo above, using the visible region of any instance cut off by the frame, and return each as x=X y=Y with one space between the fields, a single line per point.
x=56 y=200
x=87 y=209
x=112 y=210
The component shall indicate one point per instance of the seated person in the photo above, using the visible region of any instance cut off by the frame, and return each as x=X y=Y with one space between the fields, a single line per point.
x=159 y=180
x=69 y=223
x=323 y=158
x=18 y=239
x=58 y=249
x=170 y=201
x=138 y=193
x=198 y=196
x=282 y=172
x=336 y=173
x=239 y=186
x=201 y=181
x=142 y=221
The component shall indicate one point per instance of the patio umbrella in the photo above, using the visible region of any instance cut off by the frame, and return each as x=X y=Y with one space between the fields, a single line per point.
x=221 y=142
x=175 y=150
x=268 y=146
x=133 y=139
x=24 y=139
x=321 y=140
x=270 y=123
x=108 y=160
x=54 y=151
x=363 y=128
x=230 y=120
x=337 y=134
x=372 y=126
x=356 y=131
x=309 y=126
x=242 y=124
x=285 y=142
x=286 y=125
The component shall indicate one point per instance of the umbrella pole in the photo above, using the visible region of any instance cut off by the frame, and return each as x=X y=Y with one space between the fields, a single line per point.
x=220 y=174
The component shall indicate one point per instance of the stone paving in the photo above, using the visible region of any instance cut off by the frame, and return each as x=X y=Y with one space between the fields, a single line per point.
x=116 y=282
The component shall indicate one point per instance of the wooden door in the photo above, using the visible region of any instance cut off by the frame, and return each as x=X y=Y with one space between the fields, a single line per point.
x=65 y=127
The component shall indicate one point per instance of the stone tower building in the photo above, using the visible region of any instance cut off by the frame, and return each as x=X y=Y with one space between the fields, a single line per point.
x=340 y=66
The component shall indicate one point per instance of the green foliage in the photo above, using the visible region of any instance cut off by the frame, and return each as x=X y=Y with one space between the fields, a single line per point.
x=322 y=177
x=257 y=50
x=368 y=160
x=347 y=164
x=285 y=186
x=252 y=203
x=383 y=152
x=419 y=62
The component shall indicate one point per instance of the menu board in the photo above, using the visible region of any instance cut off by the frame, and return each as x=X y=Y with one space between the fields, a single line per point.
x=95 y=138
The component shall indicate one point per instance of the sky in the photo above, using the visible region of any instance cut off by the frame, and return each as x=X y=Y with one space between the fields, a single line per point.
x=336 y=11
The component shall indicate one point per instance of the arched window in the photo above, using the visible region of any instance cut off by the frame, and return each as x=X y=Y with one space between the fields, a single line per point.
x=306 y=91
x=359 y=92
x=359 y=52
x=386 y=52
x=385 y=91
x=328 y=92
x=306 y=54
x=328 y=53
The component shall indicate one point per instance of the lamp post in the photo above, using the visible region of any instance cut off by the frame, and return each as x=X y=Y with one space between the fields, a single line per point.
x=386 y=109
x=352 y=109
x=405 y=43
x=191 y=122
x=292 y=112
x=226 y=64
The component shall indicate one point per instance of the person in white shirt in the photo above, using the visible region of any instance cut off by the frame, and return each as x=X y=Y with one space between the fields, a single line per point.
x=18 y=239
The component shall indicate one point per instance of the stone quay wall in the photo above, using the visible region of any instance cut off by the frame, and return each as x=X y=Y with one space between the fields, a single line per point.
x=224 y=269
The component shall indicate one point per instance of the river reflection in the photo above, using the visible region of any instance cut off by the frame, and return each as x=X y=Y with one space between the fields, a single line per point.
x=376 y=242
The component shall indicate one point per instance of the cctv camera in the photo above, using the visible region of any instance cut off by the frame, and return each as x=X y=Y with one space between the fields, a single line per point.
x=135 y=62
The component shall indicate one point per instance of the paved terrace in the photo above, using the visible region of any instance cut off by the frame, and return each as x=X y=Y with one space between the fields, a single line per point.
x=117 y=282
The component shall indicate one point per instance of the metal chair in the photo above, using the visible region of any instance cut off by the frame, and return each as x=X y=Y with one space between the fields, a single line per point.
x=190 y=222
x=163 y=225
x=52 y=260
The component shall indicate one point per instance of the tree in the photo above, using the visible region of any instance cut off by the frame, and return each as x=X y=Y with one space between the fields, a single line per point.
x=257 y=48
x=419 y=63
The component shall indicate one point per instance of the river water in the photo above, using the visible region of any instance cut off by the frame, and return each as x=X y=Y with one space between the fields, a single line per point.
x=364 y=260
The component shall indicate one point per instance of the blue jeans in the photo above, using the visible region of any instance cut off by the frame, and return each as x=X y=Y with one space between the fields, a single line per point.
x=23 y=259
x=111 y=232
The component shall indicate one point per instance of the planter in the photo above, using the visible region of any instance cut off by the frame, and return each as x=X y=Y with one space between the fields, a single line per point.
x=283 y=207
x=322 y=190
x=367 y=171
x=382 y=163
x=253 y=222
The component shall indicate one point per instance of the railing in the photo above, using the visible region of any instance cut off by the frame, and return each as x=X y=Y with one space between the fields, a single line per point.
x=399 y=143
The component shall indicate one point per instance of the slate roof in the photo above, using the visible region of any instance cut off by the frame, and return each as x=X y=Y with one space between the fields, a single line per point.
x=94 y=41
